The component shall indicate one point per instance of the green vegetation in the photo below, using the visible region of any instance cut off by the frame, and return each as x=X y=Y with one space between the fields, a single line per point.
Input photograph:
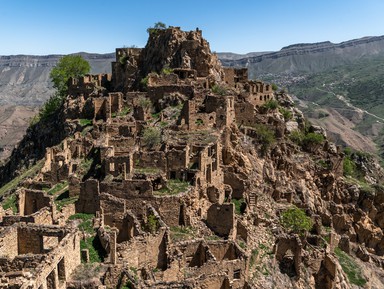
x=152 y=224
x=151 y=136
x=85 y=122
x=311 y=139
x=144 y=82
x=274 y=87
x=306 y=139
x=182 y=233
x=239 y=206
x=64 y=199
x=148 y=170
x=271 y=104
x=86 y=223
x=295 y=220
x=361 y=83
x=96 y=252
x=158 y=26
x=25 y=174
x=166 y=70
x=287 y=114
x=123 y=59
x=199 y=122
x=144 y=102
x=85 y=166
x=265 y=135
x=57 y=188
x=68 y=66
x=350 y=268
x=123 y=112
x=218 y=89
x=297 y=137
x=173 y=187
x=10 y=203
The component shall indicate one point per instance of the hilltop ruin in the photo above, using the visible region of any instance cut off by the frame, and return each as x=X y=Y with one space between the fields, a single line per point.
x=174 y=173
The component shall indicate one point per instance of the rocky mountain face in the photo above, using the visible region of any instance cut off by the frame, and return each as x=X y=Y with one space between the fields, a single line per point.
x=24 y=79
x=309 y=58
x=196 y=178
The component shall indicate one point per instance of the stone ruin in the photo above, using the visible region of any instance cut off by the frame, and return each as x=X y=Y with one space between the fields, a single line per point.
x=152 y=161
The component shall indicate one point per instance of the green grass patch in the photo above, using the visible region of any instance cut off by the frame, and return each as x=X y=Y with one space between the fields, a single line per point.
x=350 y=268
x=64 y=199
x=148 y=170
x=57 y=188
x=173 y=187
x=182 y=233
x=10 y=203
x=96 y=252
x=239 y=206
x=27 y=173
x=85 y=122
x=86 y=223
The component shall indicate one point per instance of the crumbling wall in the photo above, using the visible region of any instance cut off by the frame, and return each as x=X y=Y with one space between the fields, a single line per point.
x=9 y=243
x=31 y=201
x=221 y=219
x=89 y=201
x=148 y=251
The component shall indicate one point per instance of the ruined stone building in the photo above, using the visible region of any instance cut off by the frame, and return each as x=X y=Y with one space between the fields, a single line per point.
x=169 y=178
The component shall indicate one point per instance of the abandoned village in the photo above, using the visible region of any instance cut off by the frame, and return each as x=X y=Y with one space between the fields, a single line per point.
x=175 y=172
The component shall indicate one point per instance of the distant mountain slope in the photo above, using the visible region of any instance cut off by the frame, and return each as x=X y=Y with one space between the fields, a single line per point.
x=309 y=58
x=24 y=79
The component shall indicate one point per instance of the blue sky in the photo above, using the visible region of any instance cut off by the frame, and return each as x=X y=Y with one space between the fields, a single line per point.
x=60 y=27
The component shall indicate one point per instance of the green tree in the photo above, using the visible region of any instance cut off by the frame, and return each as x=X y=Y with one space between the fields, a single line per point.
x=158 y=26
x=68 y=66
x=295 y=220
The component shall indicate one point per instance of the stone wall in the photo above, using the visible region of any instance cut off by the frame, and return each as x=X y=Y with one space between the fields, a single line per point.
x=221 y=219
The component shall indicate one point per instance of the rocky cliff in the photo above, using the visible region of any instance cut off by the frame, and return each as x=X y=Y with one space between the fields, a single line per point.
x=310 y=58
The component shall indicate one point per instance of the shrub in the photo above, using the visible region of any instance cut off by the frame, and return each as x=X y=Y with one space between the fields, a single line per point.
x=219 y=89
x=10 y=203
x=286 y=113
x=274 y=86
x=349 y=167
x=295 y=220
x=166 y=70
x=151 y=136
x=158 y=26
x=312 y=138
x=144 y=82
x=296 y=136
x=271 y=104
x=152 y=224
x=123 y=59
x=265 y=135
x=144 y=102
